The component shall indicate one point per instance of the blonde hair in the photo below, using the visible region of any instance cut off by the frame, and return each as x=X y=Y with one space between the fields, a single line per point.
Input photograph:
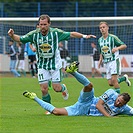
x=103 y=22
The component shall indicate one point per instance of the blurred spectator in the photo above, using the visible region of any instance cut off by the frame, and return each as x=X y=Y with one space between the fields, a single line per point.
x=21 y=59
x=64 y=57
x=13 y=59
x=32 y=59
x=96 y=56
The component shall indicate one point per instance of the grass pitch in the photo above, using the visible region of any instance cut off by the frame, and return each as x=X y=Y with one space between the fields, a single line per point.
x=22 y=115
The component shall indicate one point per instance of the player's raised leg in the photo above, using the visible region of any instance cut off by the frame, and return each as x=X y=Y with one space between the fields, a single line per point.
x=72 y=69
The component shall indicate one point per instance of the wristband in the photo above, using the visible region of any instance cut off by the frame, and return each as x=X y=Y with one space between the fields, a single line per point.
x=84 y=36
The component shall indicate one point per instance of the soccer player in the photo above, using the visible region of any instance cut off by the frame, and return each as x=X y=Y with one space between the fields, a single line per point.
x=109 y=48
x=109 y=104
x=46 y=40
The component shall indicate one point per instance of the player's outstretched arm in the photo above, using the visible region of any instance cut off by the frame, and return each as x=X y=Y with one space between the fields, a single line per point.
x=79 y=35
x=13 y=36
x=90 y=36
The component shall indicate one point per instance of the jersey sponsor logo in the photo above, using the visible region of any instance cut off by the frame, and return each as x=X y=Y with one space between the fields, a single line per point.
x=108 y=109
x=105 y=49
x=45 y=47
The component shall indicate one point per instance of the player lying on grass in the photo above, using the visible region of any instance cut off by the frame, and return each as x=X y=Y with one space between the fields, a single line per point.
x=109 y=104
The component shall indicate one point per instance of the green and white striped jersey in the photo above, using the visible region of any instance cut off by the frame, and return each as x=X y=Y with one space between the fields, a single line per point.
x=106 y=46
x=47 y=51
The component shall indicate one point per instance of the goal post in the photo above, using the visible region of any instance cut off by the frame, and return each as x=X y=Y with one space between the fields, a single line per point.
x=79 y=49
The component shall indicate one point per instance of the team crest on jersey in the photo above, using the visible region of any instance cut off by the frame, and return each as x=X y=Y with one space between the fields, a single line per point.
x=105 y=49
x=40 y=41
x=105 y=96
x=45 y=47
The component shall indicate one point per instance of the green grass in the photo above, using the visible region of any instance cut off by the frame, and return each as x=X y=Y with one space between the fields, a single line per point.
x=22 y=115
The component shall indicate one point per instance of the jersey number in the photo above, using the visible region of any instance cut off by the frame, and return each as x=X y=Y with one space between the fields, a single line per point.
x=41 y=76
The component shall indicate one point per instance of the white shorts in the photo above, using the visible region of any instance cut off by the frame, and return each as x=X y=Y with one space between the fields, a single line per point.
x=113 y=67
x=45 y=75
x=95 y=64
x=21 y=64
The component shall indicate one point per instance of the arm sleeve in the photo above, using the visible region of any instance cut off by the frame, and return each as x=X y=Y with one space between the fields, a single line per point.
x=118 y=42
x=128 y=110
x=63 y=35
x=27 y=38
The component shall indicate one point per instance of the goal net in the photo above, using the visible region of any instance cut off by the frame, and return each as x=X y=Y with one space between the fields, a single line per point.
x=79 y=49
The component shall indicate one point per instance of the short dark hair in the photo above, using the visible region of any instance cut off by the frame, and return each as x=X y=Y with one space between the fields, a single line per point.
x=93 y=43
x=37 y=24
x=42 y=17
x=126 y=97
x=11 y=40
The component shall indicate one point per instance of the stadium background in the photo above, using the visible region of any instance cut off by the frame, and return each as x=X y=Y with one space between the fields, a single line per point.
x=70 y=9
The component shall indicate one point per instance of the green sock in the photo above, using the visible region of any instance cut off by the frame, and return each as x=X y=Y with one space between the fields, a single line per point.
x=47 y=98
x=93 y=75
x=24 y=73
x=117 y=90
x=102 y=75
x=63 y=87
x=31 y=73
x=121 y=79
x=18 y=71
x=50 y=87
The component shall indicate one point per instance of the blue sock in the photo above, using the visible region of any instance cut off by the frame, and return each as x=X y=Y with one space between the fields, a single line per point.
x=81 y=78
x=47 y=106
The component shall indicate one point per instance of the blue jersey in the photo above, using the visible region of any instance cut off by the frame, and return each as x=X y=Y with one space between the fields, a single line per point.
x=86 y=104
x=28 y=49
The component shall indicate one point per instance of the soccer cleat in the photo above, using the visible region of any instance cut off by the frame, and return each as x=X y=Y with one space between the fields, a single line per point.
x=127 y=80
x=73 y=67
x=65 y=93
x=30 y=95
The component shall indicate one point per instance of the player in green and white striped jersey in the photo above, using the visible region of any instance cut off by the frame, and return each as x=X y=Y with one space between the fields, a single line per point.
x=46 y=40
x=109 y=48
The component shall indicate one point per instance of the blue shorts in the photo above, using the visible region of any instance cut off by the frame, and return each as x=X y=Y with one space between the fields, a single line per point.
x=82 y=106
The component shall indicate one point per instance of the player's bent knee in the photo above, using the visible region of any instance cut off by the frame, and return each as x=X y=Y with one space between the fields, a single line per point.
x=88 y=88
x=57 y=87
x=90 y=85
